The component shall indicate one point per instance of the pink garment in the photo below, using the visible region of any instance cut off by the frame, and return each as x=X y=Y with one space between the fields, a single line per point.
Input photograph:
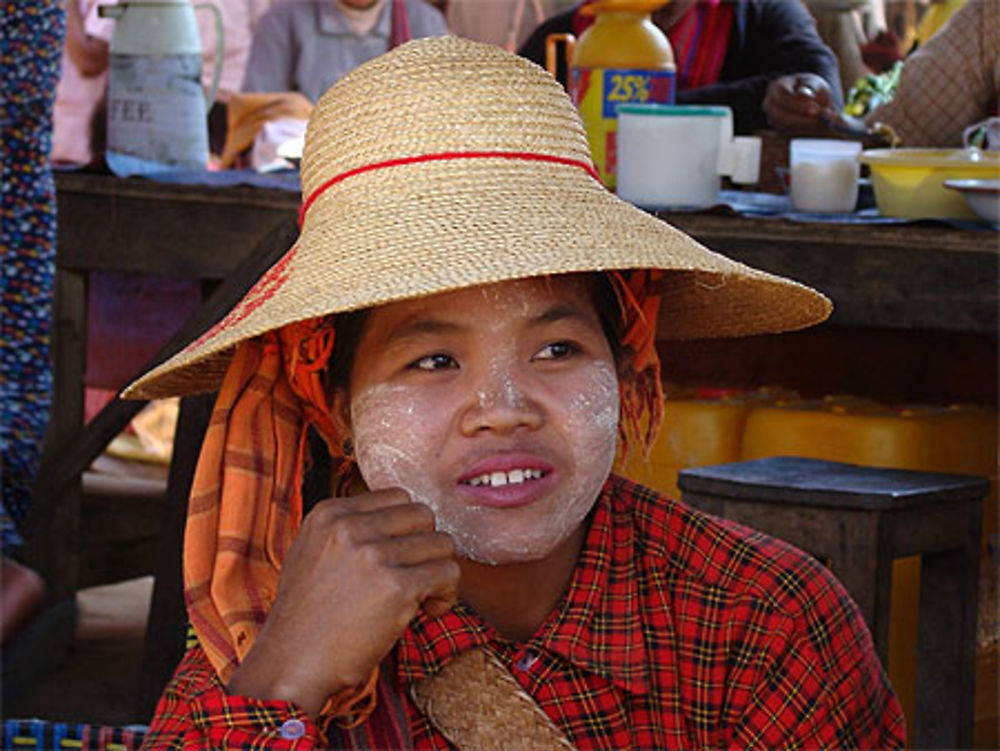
x=77 y=96
x=76 y=99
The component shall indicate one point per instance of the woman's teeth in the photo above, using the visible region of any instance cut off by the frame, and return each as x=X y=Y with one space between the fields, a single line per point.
x=514 y=477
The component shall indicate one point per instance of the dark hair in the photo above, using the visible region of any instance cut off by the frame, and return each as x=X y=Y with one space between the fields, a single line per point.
x=347 y=328
x=609 y=312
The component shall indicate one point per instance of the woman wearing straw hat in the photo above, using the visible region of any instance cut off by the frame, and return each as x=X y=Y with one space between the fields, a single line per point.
x=468 y=319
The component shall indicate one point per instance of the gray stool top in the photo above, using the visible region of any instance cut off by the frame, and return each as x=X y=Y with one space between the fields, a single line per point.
x=815 y=482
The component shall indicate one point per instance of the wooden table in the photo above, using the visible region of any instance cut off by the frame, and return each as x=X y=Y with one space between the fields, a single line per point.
x=902 y=277
x=910 y=276
x=907 y=277
x=141 y=227
x=916 y=276
x=145 y=227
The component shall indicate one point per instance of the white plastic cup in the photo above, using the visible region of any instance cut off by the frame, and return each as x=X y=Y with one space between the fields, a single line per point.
x=824 y=174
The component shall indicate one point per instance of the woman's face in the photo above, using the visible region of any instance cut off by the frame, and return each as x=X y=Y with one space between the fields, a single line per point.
x=497 y=406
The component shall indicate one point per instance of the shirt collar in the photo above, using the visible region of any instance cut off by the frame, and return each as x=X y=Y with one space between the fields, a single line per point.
x=598 y=626
x=332 y=22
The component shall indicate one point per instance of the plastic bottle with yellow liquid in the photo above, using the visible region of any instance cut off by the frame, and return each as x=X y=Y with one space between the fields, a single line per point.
x=621 y=58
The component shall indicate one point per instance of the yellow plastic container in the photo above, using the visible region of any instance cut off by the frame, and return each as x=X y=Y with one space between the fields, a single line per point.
x=696 y=431
x=910 y=182
x=960 y=439
x=622 y=58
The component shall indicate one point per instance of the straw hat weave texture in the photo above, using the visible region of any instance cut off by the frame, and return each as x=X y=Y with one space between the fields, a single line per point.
x=448 y=163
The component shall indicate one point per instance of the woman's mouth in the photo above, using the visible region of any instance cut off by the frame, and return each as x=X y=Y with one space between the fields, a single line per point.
x=505 y=482
x=511 y=477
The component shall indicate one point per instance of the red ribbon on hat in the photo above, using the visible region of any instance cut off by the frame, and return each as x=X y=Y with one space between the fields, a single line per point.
x=586 y=166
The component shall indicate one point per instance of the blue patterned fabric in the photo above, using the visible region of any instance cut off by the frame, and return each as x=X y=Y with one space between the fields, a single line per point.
x=31 y=34
x=10 y=540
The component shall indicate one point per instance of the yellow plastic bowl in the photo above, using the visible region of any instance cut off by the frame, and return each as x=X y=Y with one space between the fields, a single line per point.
x=910 y=182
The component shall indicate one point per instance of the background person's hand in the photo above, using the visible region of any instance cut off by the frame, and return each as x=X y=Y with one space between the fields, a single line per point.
x=353 y=579
x=795 y=104
x=22 y=593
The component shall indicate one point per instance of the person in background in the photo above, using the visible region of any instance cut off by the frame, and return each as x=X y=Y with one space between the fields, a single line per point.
x=947 y=84
x=307 y=45
x=754 y=56
x=469 y=321
x=22 y=590
x=82 y=84
x=505 y=23
x=840 y=26
x=950 y=82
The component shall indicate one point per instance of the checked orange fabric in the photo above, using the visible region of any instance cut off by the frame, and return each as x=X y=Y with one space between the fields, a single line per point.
x=678 y=630
x=246 y=502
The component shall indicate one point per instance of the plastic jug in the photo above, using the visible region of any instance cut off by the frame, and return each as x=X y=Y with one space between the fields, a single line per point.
x=623 y=57
x=156 y=103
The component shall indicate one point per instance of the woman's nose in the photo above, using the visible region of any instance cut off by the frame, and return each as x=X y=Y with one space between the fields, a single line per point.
x=500 y=403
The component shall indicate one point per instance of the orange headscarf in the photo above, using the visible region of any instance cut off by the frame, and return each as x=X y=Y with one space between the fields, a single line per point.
x=641 y=387
x=246 y=502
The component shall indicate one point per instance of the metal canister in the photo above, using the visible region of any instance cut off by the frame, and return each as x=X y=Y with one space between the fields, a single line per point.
x=156 y=103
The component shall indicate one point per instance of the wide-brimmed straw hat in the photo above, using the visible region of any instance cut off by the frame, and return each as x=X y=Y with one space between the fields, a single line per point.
x=448 y=163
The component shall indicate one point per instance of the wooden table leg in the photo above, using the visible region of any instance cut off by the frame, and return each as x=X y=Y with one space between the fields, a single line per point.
x=946 y=652
x=864 y=567
x=53 y=524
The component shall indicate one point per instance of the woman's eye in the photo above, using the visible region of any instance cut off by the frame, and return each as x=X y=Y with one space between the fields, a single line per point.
x=434 y=362
x=556 y=351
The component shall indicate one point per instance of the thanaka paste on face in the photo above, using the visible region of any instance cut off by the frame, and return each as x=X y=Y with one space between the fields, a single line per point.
x=395 y=447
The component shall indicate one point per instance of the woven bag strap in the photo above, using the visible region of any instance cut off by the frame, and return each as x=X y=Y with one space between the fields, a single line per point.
x=478 y=706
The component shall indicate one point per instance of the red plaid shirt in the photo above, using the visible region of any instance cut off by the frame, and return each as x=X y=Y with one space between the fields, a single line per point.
x=679 y=630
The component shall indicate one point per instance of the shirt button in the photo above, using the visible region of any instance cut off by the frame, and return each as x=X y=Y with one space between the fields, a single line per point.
x=529 y=658
x=292 y=729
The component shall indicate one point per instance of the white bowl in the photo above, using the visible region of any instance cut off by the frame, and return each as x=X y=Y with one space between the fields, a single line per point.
x=983 y=196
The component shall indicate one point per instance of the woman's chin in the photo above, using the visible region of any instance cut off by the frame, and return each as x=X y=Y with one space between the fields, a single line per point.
x=508 y=548
x=497 y=554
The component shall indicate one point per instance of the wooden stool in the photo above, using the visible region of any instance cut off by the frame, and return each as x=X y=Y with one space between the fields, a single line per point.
x=857 y=520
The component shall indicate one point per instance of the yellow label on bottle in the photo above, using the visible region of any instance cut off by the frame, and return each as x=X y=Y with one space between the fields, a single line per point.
x=597 y=93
